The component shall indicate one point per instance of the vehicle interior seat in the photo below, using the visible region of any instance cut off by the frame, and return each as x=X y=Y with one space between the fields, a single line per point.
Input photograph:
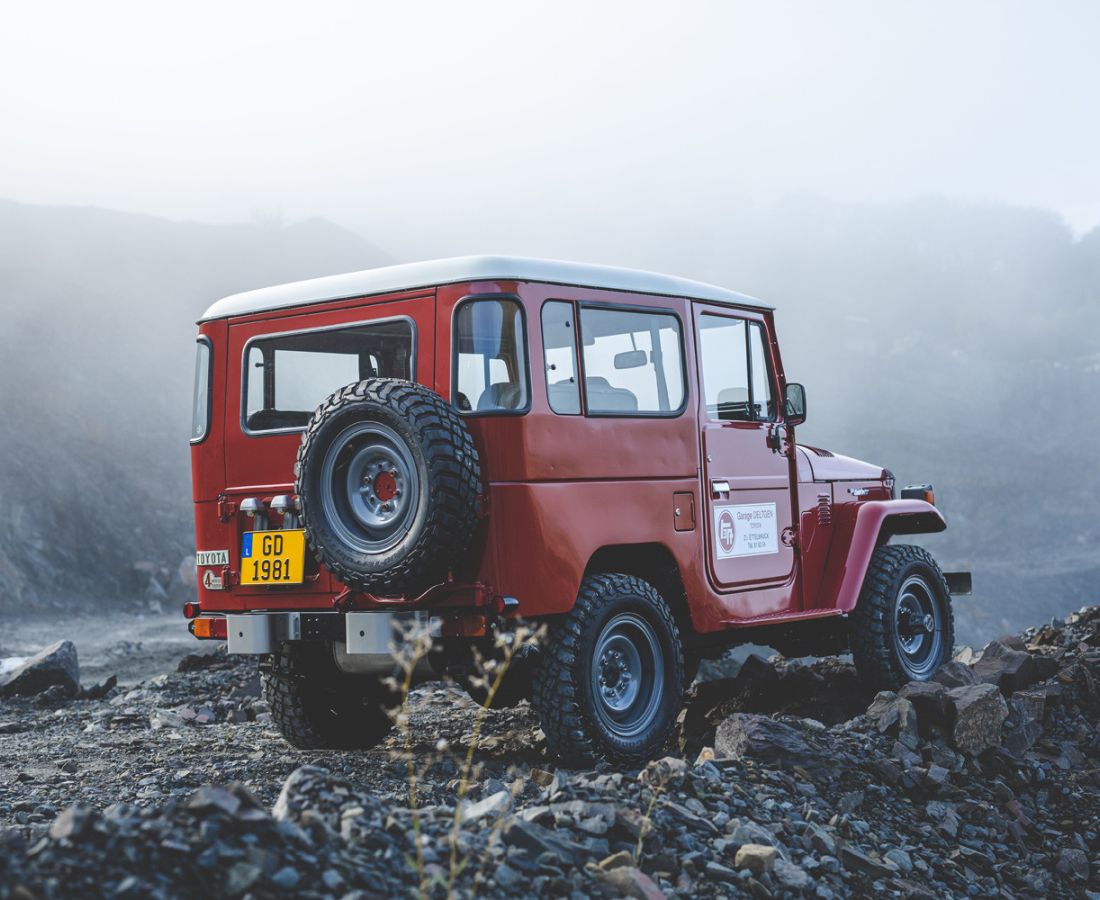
x=602 y=396
x=502 y=395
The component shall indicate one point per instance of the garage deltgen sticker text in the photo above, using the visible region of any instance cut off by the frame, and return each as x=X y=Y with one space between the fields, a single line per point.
x=745 y=530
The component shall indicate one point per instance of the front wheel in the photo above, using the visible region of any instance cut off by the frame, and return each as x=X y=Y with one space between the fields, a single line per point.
x=903 y=628
x=609 y=681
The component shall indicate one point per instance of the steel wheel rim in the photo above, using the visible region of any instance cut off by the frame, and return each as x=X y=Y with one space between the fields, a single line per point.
x=628 y=675
x=370 y=489
x=918 y=627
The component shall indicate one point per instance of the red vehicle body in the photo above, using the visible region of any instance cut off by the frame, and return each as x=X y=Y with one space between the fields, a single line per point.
x=566 y=495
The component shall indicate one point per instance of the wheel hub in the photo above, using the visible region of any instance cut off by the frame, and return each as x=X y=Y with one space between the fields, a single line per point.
x=369 y=486
x=385 y=486
x=917 y=627
x=627 y=675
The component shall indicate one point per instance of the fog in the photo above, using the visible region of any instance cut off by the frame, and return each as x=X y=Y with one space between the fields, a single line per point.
x=913 y=186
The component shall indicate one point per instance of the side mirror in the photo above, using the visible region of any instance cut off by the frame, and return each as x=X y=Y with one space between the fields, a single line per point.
x=794 y=404
x=631 y=359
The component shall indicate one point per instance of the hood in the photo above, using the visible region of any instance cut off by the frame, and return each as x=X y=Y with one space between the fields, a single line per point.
x=828 y=466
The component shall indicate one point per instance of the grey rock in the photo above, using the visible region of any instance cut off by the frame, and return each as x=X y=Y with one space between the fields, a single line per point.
x=791 y=876
x=955 y=674
x=56 y=665
x=978 y=712
x=1074 y=864
x=899 y=858
x=744 y=735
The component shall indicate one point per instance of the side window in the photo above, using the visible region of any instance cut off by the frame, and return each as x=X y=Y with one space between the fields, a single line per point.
x=736 y=379
x=633 y=363
x=762 y=399
x=490 y=357
x=559 y=348
x=287 y=376
x=200 y=404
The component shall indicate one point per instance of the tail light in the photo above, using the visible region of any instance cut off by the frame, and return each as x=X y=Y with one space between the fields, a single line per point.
x=209 y=629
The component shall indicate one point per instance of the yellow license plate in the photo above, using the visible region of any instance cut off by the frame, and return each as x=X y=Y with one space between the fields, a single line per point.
x=273 y=557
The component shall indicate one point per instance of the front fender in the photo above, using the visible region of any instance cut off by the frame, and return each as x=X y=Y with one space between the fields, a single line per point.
x=861 y=527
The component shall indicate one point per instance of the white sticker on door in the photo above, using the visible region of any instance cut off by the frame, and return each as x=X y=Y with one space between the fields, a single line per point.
x=745 y=530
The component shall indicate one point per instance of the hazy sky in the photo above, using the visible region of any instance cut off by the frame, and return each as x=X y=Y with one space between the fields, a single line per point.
x=473 y=126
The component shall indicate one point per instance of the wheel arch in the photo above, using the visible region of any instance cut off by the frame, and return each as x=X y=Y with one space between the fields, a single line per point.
x=865 y=528
x=654 y=563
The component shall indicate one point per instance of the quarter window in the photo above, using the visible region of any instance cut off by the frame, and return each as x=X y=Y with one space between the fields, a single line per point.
x=200 y=404
x=287 y=376
x=559 y=347
x=736 y=378
x=490 y=357
x=633 y=363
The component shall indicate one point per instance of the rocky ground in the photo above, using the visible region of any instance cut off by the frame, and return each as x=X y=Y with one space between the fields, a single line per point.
x=786 y=780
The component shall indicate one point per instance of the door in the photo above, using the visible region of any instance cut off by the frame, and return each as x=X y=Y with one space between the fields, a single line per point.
x=746 y=471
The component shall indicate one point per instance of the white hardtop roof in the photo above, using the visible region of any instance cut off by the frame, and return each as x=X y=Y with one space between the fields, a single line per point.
x=469 y=268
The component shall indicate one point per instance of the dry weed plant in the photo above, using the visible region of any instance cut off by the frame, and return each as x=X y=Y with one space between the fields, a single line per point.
x=489 y=676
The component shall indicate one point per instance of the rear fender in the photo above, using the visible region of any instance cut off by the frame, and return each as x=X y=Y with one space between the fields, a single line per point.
x=861 y=528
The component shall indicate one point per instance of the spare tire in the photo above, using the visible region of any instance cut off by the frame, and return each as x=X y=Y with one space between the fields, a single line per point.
x=388 y=479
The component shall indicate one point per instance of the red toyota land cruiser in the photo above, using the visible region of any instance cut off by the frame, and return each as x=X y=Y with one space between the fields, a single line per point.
x=489 y=440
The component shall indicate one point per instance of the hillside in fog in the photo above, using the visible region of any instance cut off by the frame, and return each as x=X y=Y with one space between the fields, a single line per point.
x=953 y=344
x=96 y=362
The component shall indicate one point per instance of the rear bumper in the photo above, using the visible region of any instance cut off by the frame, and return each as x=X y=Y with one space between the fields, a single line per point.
x=369 y=637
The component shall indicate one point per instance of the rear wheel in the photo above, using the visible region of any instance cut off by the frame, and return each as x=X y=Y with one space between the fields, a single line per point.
x=316 y=706
x=609 y=681
x=903 y=628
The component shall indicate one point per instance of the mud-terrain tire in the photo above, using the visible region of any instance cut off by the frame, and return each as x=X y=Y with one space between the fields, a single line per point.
x=588 y=710
x=515 y=685
x=315 y=706
x=388 y=479
x=903 y=628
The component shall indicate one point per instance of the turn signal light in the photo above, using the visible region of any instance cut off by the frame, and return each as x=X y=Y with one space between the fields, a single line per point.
x=209 y=629
x=919 y=492
x=464 y=625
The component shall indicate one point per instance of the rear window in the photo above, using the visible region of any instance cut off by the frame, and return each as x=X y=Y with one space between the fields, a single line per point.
x=633 y=363
x=287 y=376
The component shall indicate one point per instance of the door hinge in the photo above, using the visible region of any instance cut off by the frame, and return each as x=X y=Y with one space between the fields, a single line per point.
x=226 y=508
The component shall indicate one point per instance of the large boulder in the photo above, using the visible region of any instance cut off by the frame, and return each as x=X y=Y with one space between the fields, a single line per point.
x=56 y=665
x=744 y=735
x=929 y=698
x=955 y=674
x=977 y=713
x=1004 y=664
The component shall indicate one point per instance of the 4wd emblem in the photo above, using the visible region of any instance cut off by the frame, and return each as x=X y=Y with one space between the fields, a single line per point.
x=212 y=582
x=211 y=558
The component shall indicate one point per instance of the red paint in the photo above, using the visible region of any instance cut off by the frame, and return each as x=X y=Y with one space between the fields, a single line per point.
x=565 y=490
x=385 y=486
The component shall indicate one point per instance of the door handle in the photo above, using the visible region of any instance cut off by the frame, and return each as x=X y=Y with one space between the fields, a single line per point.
x=719 y=486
